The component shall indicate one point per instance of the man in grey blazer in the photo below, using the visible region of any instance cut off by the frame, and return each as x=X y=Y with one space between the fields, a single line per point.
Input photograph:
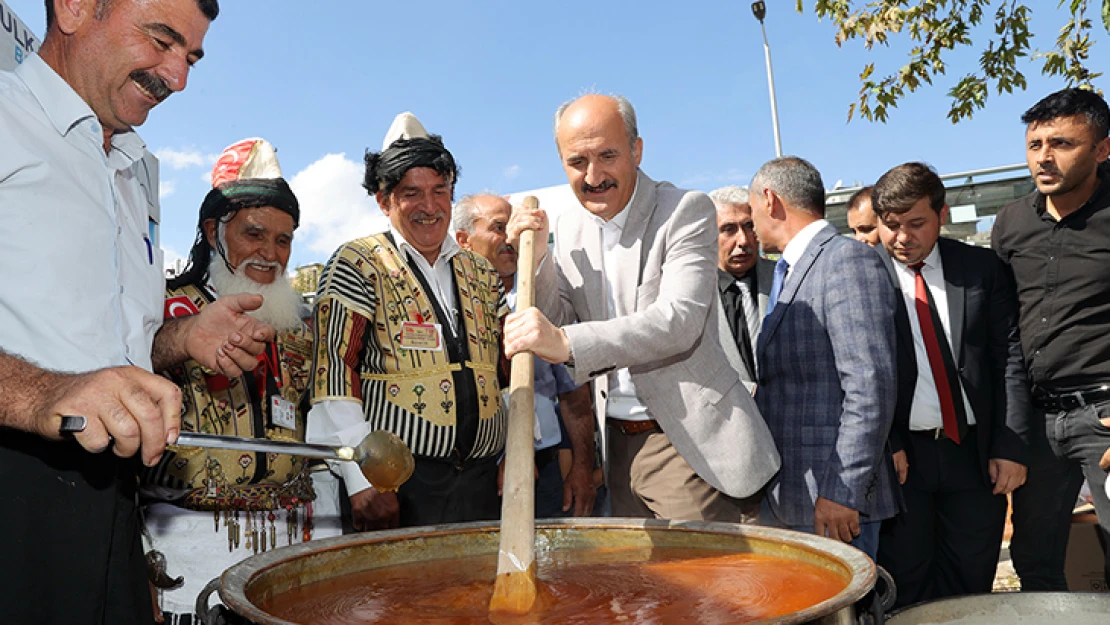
x=629 y=303
x=743 y=281
x=826 y=364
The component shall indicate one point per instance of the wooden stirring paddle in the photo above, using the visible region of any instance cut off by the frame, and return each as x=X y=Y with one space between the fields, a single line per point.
x=515 y=589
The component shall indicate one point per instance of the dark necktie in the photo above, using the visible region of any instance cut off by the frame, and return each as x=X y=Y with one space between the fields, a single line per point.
x=504 y=365
x=943 y=366
x=781 y=267
x=738 y=323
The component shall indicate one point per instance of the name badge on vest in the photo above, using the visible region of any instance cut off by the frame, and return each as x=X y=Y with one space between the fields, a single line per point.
x=282 y=413
x=421 y=336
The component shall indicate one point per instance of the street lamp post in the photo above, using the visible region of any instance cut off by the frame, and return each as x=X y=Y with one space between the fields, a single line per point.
x=759 y=9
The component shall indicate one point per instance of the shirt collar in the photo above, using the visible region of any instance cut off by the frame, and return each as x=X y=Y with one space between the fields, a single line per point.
x=1040 y=204
x=447 y=249
x=797 y=246
x=726 y=279
x=66 y=110
x=932 y=261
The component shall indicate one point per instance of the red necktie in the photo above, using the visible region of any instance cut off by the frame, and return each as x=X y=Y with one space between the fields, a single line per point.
x=930 y=334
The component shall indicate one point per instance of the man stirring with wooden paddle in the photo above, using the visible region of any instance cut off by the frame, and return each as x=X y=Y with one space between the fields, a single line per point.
x=635 y=267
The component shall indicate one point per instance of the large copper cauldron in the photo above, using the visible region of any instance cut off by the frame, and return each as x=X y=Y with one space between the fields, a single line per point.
x=248 y=585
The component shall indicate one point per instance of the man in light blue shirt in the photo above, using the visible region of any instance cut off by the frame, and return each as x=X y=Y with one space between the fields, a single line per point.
x=81 y=306
x=479 y=222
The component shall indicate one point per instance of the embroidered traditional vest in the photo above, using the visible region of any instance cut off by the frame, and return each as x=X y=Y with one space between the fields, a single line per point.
x=409 y=391
x=215 y=479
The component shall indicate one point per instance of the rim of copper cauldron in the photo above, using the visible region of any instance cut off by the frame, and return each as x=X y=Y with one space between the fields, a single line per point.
x=830 y=554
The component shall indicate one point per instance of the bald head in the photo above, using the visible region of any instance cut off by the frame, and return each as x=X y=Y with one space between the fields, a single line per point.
x=480 y=222
x=601 y=151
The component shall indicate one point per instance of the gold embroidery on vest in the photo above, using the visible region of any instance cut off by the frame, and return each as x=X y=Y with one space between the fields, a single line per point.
x=225 y=479
x=420 y=381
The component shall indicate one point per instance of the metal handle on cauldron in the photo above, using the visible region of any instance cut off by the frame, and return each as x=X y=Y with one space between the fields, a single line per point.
x=879 y=601
x=206 y=615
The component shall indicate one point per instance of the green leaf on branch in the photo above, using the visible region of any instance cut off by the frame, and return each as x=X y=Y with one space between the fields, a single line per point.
x=937 y=28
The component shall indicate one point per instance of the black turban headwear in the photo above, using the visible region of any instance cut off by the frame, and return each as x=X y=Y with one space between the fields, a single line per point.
x=221 y=204
x=385 y=169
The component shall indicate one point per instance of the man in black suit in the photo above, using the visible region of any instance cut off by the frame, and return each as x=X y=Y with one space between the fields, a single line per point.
x=743 y=281
x=962 y=420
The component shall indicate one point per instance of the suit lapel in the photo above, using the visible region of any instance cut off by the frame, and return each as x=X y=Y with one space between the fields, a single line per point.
x=954 y=287
x=906 y=354
x=728 y=341
x=590 y=240
x=793 y=282
x=628 y=251
x=764 y=276
x=901 y=315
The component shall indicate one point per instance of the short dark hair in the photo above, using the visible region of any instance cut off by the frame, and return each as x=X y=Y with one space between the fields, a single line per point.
x=858 y=197
x=900 y=188
x=1069 y=103
x=210 y=9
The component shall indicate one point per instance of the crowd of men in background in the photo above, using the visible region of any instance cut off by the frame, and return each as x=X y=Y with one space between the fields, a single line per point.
x=888 y=392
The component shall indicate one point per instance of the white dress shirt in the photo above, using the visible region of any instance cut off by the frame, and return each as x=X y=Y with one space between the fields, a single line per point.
x=82 y=286
x=440 y=276
x=622 y=402
x=925 y=410
x=342 y=421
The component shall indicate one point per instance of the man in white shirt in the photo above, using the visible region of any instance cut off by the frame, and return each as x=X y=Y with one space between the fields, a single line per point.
x=480 y=222
x=630 y=303
x=81 y=306
x=407 y=331
x=963 y=414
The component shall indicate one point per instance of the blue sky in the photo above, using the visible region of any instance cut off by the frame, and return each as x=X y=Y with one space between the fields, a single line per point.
x=323 y=80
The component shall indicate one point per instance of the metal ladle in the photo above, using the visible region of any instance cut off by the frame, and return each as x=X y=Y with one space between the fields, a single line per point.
x=382 y=456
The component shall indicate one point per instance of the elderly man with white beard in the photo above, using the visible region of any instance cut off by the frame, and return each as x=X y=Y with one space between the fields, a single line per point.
x=208 y=509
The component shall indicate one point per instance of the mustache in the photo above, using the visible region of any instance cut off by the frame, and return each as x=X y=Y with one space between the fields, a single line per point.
x=604 y=186
x=506 y=248
x=743 y=249
x=1048 y=169
x=269 y=264
x=153 y=84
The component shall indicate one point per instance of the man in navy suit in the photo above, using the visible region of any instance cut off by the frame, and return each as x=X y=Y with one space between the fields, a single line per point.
x=826 y=364
x=963 y=417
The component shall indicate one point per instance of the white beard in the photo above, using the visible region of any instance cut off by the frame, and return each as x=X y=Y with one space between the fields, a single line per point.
x=281 y=303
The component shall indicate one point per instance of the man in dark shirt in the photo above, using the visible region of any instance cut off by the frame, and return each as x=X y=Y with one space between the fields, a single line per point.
x=1056 y=243
x=743 y=281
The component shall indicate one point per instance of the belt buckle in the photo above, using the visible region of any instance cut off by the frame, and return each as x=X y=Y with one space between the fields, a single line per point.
x=938 y=433
x=632 y=428
x=1077 y=397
